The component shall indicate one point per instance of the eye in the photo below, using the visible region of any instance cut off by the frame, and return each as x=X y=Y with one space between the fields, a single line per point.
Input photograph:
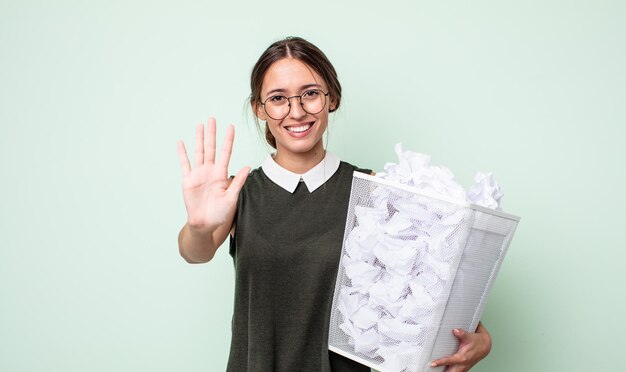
x=276 y=100
x=310 y=94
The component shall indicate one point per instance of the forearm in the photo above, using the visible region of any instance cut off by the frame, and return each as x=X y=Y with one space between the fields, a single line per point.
x=198 y=245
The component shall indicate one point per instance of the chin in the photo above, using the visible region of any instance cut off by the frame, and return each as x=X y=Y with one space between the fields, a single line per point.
x=300 y=147
x=304 y=148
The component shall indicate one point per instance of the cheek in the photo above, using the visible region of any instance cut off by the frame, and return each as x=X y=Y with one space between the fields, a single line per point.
x=273 y=125
x=323 y=119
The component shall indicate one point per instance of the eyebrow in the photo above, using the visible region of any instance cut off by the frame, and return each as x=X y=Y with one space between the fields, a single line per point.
x=304 y=87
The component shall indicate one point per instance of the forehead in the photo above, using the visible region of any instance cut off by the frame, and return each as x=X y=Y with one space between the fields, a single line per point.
x=290 y=74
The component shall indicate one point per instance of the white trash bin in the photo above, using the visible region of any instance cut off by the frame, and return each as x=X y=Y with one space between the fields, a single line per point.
x=413 y=267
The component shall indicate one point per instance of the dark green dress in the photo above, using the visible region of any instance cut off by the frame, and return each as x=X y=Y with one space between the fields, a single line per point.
x=286 y=251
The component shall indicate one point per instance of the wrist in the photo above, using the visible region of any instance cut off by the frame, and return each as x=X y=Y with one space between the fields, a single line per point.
x=200 y=229
x=486 y=337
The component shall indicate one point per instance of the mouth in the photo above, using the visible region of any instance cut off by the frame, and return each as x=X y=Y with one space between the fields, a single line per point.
x=299 y=128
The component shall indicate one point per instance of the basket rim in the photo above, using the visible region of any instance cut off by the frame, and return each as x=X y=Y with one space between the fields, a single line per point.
x=413 y=190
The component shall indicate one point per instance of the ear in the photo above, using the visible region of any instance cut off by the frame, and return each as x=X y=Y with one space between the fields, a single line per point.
x=259 y=111
x=332 y=106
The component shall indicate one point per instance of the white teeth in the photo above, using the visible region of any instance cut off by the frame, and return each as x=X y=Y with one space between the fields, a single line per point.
x=299 y=129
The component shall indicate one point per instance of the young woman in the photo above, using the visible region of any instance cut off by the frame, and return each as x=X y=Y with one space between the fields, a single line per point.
x=285 y=219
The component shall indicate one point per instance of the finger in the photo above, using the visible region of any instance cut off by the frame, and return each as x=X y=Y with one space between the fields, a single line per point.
x=209 y=154
x=446 y=361
x=238 y=182
x=227 y=147
x=199 y=155
x=460 y=334
x=184 y=160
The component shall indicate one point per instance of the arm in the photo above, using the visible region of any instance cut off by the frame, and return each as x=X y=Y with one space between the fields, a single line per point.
x=198 y=245
x=473 y=347
x=210 y=196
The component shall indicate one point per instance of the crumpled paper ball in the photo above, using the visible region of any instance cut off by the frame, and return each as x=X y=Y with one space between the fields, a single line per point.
x=485 y=192
x=414 y=169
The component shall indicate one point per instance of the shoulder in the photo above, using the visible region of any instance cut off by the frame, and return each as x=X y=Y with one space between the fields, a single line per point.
x=255 y=178
x=353 y=168
x=256 y=173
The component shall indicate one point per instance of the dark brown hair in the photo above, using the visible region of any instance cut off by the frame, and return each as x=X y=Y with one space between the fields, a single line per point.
x=302 y=50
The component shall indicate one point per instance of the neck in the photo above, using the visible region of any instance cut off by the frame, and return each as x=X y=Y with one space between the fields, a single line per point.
x=300 y=163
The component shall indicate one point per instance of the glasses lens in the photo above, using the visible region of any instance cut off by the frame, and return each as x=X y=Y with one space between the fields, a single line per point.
x=277 y=107
x=313 y=101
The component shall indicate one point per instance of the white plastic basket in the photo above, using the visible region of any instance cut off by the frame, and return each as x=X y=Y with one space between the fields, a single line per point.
x=413 y=267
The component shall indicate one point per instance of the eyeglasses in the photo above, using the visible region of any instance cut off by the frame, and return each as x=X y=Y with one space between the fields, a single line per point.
x=312 y=101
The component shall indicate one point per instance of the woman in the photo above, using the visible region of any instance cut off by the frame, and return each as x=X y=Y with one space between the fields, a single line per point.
x=286 y=220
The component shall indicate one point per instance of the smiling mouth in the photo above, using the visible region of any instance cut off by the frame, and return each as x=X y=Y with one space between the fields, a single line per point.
x=299 y=128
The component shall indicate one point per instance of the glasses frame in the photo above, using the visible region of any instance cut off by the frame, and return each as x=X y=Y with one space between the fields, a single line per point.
x=300 y=100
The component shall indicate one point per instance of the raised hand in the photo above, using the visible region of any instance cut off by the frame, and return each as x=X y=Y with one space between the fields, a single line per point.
x=210 y=196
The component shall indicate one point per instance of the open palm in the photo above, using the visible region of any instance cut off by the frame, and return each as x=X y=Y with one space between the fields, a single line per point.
x=210 y=196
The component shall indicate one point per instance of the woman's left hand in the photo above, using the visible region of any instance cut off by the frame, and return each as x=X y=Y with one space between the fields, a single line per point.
x=473 y=347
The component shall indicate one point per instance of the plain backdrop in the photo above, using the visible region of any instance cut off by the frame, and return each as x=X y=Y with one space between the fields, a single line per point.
x=95 y=94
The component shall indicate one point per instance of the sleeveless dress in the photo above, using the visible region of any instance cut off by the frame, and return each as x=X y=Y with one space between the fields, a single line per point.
x=286 y=251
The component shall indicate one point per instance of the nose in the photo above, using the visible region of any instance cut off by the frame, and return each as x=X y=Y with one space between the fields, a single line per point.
x=296 y=111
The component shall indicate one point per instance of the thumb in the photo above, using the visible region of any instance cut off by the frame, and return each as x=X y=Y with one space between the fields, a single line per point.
x=238 y=181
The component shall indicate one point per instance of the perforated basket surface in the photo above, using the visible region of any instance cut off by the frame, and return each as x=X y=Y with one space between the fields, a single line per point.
x=413 y=267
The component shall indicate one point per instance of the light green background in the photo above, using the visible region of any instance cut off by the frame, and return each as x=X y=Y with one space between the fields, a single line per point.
x=94 y=96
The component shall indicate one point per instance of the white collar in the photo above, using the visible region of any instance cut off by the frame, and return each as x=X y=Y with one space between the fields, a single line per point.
x=313 y=179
